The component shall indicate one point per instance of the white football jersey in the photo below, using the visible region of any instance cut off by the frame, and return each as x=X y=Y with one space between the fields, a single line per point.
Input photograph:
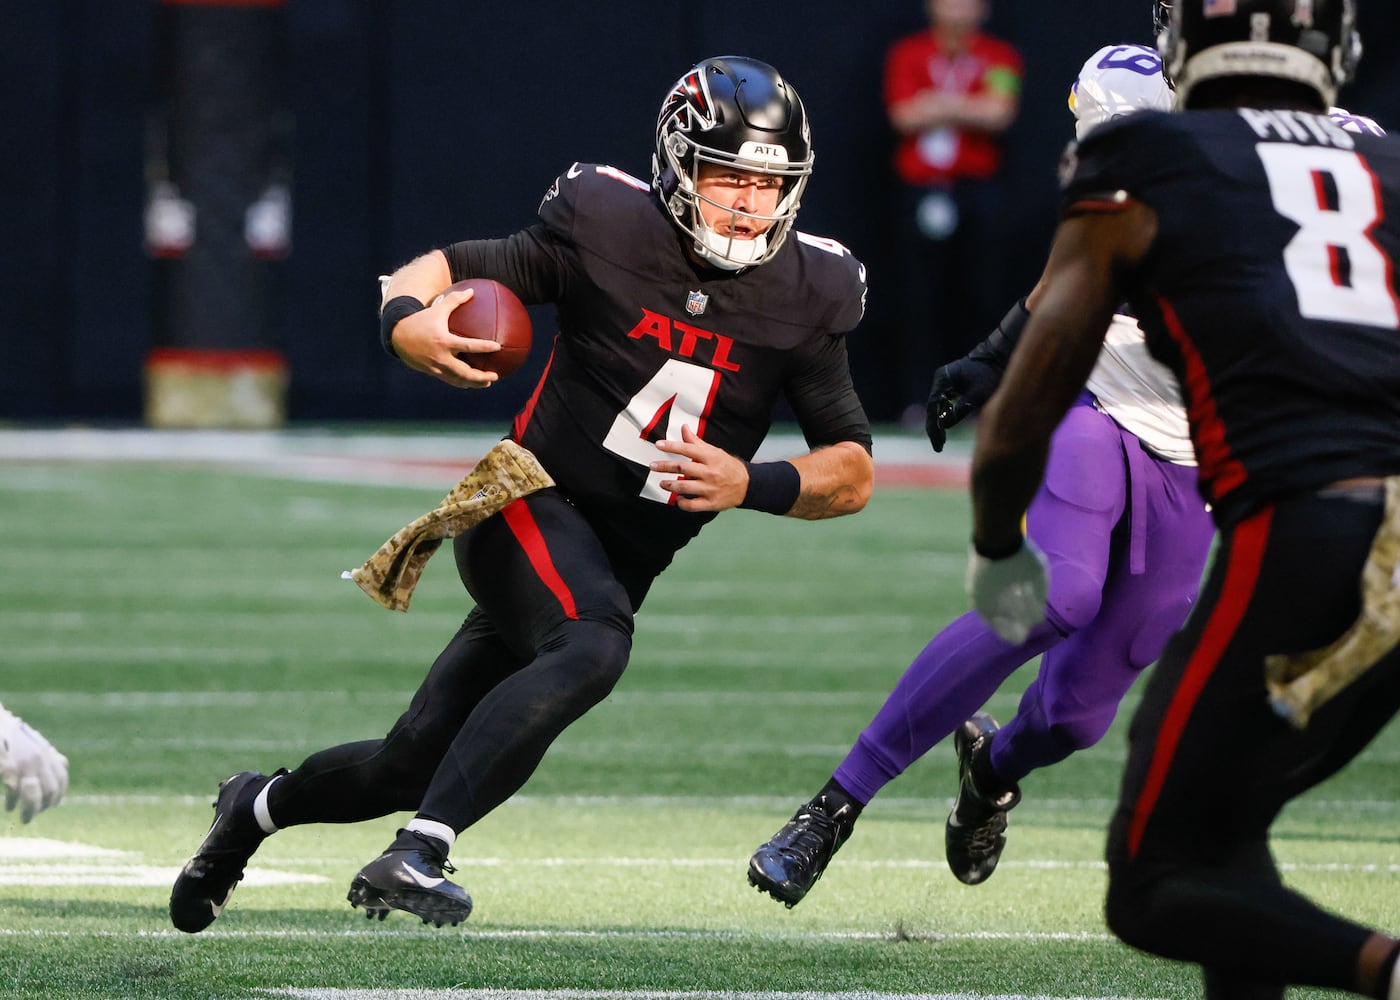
x=1141 y=393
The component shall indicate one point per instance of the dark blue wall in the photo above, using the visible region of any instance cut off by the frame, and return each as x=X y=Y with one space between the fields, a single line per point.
x=422 y=122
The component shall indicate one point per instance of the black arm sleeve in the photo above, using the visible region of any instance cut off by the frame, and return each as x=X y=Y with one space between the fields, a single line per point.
x=996 y=349
x=531 y=263
x=824 y=400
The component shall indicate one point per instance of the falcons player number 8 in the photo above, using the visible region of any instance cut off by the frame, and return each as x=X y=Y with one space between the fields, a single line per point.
x=1337 y=269
x=680 y=393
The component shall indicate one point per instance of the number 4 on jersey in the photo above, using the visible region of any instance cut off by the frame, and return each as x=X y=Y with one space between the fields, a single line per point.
x=679 y=394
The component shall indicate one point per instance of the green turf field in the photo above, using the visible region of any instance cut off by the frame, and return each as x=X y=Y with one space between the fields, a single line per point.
x=167 y=625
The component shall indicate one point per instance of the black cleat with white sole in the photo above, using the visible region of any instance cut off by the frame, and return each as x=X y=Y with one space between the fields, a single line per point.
x=205 y=883
x=408 y=876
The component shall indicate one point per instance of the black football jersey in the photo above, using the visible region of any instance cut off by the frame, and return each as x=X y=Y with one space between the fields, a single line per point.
x=1270 y=288
x=649 y=341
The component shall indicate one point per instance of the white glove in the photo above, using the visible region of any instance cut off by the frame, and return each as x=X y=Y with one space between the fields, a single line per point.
x=1010 y=593
x=34 y=774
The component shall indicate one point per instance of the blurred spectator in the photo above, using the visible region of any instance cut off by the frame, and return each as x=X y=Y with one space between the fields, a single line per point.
x=950 y=91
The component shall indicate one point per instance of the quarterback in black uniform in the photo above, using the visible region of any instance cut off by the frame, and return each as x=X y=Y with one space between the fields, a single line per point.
x=687 y=307
x=1256 y=240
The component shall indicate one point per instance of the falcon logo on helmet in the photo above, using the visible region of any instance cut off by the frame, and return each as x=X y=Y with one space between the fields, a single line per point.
x=688 y=104
x=736 y=112
x=1312 y=43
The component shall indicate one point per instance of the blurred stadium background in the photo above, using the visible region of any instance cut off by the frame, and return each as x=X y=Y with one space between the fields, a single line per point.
x=414 y=124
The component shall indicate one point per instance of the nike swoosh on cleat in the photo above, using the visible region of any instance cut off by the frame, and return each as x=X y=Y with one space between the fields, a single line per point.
x=427 y=882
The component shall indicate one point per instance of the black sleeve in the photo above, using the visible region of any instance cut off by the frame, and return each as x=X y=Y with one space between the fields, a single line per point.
x=531 y=263
x=823 y=397
x=996 y=349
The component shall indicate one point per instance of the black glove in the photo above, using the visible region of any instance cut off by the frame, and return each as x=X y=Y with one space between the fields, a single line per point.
x=959 y=387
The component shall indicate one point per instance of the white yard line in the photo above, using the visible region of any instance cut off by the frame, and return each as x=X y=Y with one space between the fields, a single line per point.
x=379 y=932
x=24 y=857
x=322 y=993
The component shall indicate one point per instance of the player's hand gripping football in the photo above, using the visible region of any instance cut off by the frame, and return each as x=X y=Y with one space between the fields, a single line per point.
x=708 y=478
x=1010 y=593
x=959 y=387
x=424 y=342
x=34 y=774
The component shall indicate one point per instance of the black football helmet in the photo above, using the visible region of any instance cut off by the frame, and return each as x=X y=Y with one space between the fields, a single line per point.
x=1310 y=42
x=737 y=112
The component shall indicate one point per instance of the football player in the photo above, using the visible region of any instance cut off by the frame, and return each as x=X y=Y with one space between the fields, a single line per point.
x=1123 y=526
x=687 y=307
x=1256 y=240
x=34 y=774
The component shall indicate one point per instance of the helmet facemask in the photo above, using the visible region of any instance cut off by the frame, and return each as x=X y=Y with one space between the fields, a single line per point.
x=685 y=160
x=736 y=114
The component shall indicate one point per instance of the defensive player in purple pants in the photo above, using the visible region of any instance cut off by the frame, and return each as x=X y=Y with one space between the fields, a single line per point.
x=1126 y=533
x=1121 y=523
x=1257 y=240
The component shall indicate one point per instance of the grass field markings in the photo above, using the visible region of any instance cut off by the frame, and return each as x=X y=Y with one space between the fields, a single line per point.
x=22 y=857
x=132 y=876
x=139 y=874
x=1382 y=807
x=329 y=993
x=145 y=700
x=101 y=655
x=896 y=864
x=404 y=929
x=290 y=746
x=35 y=848
x=755 y=619
x=766 y=622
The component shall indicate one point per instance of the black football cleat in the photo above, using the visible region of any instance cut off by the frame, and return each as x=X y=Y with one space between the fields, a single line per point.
x=976 y=830
x=791 y=862
x=205 y=883
x=409 y=877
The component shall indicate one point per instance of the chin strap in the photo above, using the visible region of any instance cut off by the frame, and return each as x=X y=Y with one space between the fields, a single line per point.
x=727 y=253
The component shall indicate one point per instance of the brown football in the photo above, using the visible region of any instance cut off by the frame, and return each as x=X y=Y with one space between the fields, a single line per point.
x=492 y=313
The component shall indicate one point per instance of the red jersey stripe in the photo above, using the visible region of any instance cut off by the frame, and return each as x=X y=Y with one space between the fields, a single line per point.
x=517 y=427
x=527 y=532
x=1247 y=544
x=1220 y=470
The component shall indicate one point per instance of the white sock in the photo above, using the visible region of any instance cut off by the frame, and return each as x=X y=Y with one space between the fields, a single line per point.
x=432 y=828
x=260 y=811
x=1395 y=981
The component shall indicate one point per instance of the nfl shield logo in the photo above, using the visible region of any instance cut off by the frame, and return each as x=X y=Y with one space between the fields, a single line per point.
x=695 y=303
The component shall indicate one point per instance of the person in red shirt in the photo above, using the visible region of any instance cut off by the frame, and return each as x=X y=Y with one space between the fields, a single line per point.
x=951 y=91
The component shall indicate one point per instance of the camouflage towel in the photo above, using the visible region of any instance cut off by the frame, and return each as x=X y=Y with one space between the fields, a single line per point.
x=1301 y=683
x=505 y=473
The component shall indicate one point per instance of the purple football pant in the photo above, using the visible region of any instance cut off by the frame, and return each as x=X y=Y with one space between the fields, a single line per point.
x=1126 y=536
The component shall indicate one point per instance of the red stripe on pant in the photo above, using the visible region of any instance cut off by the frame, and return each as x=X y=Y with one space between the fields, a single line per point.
x=527 y=532
x=1247 y=544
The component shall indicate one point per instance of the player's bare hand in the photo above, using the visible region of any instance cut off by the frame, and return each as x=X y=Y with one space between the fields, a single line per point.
x=707 y=478
x=424 y=343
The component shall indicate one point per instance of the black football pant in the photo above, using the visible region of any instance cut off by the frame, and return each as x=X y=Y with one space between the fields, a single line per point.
x=548 y=639
x=1210 y=765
